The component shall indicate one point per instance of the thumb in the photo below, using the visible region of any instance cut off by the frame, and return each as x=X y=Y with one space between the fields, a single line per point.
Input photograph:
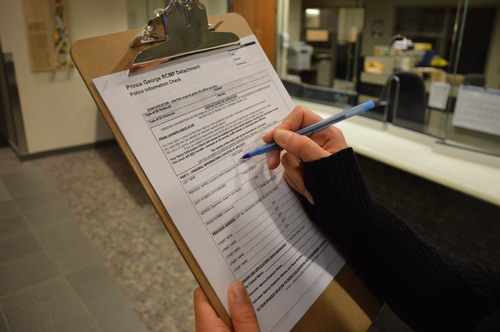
x=302 y=147
x=241 y=309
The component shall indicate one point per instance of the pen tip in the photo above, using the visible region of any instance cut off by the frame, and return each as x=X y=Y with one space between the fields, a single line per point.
x=246 y=156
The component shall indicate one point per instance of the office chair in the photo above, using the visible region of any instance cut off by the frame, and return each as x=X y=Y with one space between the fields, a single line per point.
x=404 y=95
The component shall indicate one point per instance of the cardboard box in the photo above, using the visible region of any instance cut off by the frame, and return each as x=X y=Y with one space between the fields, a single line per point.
x=433 y=74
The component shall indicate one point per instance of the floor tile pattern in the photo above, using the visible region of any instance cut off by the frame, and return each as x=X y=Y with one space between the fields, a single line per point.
x=51 y=278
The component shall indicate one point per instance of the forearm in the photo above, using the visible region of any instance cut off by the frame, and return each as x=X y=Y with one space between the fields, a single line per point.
x=422 y=284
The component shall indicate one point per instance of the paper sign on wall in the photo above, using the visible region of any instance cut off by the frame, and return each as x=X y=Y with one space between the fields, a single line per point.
x=46 y=24
x=438 y=95
x=478 y=109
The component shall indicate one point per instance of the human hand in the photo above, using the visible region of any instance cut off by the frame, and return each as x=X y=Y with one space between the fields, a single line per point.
x=300 y=148
x=240 y=308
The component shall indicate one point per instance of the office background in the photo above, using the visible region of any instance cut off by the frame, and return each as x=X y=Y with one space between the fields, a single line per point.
x=81 y=246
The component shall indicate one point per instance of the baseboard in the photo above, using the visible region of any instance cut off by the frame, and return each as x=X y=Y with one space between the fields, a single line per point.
x=31 y=156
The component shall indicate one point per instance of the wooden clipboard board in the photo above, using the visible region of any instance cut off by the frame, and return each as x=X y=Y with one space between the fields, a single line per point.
x=346 y=305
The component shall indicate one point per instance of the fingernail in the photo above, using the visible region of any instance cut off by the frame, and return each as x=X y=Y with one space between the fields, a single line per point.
x=282 y=137
x=309 y=197
x=270 y=159
x=239 y=292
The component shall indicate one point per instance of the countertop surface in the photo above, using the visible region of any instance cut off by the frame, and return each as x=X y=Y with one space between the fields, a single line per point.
x=466 y=171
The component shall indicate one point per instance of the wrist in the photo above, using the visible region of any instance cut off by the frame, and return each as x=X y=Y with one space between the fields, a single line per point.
x=336 y=181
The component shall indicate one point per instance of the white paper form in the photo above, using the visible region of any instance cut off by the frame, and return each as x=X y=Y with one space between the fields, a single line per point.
x=188 y=126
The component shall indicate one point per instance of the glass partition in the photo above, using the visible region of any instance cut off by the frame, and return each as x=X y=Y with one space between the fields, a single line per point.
x=322 y=46
x=431 y=66
x=473 y=114
x=409 y=56
x=412 y=57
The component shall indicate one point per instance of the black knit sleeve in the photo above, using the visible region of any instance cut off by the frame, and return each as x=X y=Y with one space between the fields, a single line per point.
x=424 y=286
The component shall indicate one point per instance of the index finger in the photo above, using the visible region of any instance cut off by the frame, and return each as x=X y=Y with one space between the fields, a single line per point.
x=300 y=117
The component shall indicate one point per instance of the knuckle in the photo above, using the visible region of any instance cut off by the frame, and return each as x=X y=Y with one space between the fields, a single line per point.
x=290 y=161
x=245 y=316
x=302 y=144
x=285 y=159
x=336 y=131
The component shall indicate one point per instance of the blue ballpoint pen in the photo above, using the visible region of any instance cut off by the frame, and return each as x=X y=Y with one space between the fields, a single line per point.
x=306 y=131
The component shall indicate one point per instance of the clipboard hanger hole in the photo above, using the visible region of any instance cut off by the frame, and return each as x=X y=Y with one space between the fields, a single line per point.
x=157 y=28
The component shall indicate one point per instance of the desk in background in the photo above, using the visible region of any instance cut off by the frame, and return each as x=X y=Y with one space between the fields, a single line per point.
x=471 y=173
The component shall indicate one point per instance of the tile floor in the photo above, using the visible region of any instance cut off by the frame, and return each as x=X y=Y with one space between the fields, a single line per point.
x=50 y=277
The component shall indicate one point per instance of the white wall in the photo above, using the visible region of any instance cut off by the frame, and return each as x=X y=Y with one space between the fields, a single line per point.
x=295 y=20
x=57 y=109
x=215 y=7
x=137 y=15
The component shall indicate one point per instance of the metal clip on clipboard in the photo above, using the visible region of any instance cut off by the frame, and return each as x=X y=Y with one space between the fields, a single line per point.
x=181 y=30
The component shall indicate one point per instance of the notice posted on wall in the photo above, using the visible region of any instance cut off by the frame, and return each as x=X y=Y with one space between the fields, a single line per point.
x=478 y=109
x=46 y=25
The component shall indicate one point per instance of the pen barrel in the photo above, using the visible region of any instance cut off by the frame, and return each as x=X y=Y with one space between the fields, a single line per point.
x=309 y=130
x=265 y=148
x=356 y=110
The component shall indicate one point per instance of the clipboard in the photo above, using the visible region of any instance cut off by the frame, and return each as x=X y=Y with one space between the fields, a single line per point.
x=345 y=305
